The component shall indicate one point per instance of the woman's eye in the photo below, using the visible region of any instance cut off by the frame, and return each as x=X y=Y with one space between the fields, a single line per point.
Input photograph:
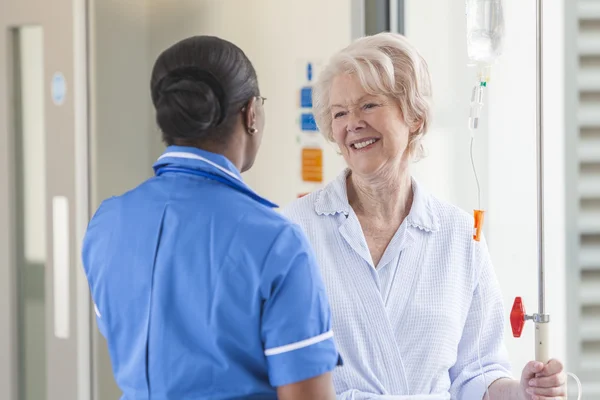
x=339 y=114
x=369 y=105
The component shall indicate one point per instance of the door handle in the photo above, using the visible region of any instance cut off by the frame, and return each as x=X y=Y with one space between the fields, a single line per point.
x=61 y=264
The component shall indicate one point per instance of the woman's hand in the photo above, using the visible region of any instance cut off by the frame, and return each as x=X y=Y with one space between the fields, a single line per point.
x=543 y=382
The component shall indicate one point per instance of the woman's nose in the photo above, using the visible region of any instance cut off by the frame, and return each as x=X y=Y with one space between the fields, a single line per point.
x=355 y=122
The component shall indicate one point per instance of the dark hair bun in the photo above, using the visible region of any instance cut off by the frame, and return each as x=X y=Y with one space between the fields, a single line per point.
x=197 y=85
x=188 y=107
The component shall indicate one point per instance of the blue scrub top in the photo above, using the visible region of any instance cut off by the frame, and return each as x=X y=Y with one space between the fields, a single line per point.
x=202 y=290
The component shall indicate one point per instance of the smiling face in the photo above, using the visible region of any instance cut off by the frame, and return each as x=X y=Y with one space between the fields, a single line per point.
x=369 y=129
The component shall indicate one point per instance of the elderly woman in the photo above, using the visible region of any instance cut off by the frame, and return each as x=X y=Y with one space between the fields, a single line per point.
x=417 y=310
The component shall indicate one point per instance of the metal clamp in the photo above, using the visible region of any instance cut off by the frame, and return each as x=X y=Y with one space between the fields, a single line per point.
x=538 y=318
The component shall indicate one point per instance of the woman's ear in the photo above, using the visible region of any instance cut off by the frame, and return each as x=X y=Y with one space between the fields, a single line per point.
x=417 y=126
x=250 y=116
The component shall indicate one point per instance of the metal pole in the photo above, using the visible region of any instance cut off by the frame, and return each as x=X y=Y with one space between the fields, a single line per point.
x=541 y=319
x=540 y=158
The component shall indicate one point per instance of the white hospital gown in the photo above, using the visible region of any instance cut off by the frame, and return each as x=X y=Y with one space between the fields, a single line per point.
x=410 y=327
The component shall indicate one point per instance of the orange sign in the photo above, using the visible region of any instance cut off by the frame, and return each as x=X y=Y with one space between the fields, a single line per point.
x=312 y=165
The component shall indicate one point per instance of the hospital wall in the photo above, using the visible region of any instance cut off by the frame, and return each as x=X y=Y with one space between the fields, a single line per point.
x=280 y=37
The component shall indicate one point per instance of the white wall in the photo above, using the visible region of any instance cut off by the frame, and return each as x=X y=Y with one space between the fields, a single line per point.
x=278 y=37
x=505 y=150
x=447 y=170
x=122 y=139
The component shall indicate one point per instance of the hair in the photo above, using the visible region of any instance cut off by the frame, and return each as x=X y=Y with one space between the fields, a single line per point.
x=388 y=64
x=199 y=85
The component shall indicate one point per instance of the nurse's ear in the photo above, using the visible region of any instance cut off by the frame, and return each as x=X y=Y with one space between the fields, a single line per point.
x=250 y=116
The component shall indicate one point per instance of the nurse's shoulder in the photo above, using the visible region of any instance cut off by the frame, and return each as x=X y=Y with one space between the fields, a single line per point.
x=270 y=233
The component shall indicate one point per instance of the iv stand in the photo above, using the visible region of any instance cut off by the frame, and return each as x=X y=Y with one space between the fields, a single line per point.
x=541 y=319
x=518 y=316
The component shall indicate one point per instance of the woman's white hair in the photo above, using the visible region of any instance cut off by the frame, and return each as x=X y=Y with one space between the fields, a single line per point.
x=388 y=64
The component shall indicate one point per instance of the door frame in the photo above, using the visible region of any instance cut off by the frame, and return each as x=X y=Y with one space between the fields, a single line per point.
x=9 y=382
x=66 y=43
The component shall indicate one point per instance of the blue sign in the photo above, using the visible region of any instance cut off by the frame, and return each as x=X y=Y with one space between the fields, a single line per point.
x=59 y=88
x=307 y=122
x=309 y=72
x=306 y=97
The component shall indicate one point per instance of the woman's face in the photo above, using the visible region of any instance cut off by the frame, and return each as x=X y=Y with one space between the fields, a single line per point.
x=369 y=129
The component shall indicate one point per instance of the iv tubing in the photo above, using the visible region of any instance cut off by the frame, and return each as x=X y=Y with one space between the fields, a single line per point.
x=475 y=173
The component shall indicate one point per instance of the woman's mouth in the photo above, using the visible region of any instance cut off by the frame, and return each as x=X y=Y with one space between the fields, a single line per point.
x=364 y=144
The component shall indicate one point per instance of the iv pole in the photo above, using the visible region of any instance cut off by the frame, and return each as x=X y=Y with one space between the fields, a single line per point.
x=541 y=319
x=518 y=316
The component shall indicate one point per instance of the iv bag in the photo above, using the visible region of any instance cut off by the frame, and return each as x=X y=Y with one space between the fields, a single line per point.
x=485 y=30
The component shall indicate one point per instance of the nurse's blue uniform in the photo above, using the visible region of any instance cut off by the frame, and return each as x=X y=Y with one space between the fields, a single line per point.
x=202 y=290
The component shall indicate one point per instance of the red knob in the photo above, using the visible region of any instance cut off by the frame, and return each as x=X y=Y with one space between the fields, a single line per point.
x=517 y=317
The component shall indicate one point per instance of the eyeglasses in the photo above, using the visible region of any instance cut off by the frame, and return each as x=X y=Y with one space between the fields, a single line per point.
x=262 y=102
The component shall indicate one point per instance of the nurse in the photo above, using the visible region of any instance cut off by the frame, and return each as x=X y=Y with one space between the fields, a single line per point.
x=201 y=289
